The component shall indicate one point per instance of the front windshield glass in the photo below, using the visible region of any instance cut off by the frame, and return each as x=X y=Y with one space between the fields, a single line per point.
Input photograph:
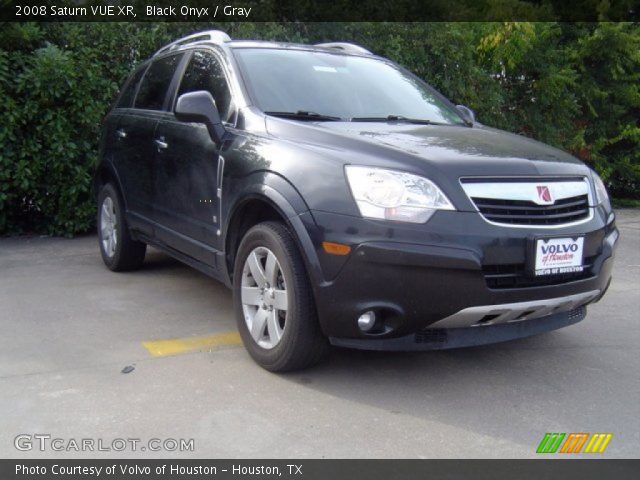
x=335 y=85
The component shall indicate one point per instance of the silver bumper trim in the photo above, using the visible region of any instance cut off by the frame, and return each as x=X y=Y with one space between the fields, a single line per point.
x=514 y=312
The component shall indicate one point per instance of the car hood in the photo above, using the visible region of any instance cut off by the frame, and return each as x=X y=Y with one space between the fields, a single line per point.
x=457 y=150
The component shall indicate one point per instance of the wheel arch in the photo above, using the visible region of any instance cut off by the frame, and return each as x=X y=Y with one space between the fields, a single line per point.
x=266 y=201
x=105 y=173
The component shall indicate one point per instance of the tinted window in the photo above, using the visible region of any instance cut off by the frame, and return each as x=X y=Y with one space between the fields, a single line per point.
x=126 y=98
x=338 y=85
x=205 y=73
x=156 y=82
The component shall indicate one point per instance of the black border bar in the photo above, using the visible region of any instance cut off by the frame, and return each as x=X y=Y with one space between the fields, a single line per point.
x=320 y=10
x=542 y=469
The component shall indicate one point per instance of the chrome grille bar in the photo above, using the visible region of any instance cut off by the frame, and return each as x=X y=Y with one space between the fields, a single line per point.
x=526 y=202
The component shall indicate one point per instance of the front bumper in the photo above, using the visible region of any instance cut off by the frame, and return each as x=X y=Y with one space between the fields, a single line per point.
x=415 y=277
x=443 y=339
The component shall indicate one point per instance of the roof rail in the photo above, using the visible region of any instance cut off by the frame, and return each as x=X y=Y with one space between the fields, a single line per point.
x=345 y=47
x=216 y=36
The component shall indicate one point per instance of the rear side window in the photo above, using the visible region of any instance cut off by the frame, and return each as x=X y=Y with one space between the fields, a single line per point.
x=126 y=99
x=155 y=83
x=205 y=73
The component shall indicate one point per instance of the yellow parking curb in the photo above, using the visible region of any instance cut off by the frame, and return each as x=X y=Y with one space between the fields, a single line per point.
x=176 y=346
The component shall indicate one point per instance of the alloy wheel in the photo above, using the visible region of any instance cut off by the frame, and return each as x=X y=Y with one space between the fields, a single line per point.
x=264 y=297
x=108 y=227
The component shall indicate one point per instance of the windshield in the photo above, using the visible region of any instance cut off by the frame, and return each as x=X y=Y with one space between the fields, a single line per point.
x=330 y=85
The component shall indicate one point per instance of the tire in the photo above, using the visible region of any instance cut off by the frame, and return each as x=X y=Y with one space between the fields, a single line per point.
x=119 y=251
x=284 y=340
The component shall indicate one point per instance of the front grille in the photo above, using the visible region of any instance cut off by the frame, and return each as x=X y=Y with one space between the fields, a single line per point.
x=514 y=275
x=521 y=212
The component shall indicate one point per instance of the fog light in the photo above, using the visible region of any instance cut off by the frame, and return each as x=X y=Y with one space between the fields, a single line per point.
x=367 y=320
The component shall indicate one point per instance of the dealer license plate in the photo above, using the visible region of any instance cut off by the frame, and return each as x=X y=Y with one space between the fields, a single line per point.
x=555 y=256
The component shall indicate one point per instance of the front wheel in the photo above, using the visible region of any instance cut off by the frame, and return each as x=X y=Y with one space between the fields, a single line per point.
x=274 y=304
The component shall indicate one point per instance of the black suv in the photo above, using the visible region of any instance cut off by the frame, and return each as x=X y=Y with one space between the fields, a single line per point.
x=345 y=201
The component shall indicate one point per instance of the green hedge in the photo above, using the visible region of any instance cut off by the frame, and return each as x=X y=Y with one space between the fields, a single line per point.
x=576 y=86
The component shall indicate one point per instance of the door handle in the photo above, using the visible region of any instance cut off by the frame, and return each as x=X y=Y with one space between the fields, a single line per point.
x=121 y=133
x=160 y=143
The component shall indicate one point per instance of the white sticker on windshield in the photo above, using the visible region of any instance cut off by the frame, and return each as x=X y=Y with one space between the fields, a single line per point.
x=324 y=69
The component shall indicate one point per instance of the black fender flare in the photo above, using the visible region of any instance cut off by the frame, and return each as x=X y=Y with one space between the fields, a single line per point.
x=107 y=169
x=287 y=201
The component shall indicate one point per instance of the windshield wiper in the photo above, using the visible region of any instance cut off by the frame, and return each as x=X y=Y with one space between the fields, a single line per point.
x=304 y=115
x=397 y=118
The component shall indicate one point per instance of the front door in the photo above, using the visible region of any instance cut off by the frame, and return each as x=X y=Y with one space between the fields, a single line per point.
x=186 y=181
x=189 y=167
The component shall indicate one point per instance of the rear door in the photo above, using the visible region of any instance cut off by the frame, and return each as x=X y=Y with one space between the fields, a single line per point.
x=190 y=165
x=135 y=133
x=116 y=147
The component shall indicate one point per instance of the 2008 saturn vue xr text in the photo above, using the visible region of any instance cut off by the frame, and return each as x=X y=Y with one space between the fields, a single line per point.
x=345 y=201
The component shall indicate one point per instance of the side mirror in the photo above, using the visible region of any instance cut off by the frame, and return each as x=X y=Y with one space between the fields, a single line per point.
x=467 y=114
x=200 y=107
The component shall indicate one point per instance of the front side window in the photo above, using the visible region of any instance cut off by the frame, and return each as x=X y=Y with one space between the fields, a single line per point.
x=342 y=86
x=155 y=83
x=204 y=72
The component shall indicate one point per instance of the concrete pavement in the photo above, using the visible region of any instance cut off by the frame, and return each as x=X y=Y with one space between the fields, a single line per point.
x=69 y=326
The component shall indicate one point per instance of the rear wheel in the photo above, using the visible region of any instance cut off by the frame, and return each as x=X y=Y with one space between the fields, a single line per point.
x=274 y=305
x=119 y=251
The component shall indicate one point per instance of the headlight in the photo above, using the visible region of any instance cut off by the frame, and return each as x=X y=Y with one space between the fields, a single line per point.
x=602 y=197
x=391 y=195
